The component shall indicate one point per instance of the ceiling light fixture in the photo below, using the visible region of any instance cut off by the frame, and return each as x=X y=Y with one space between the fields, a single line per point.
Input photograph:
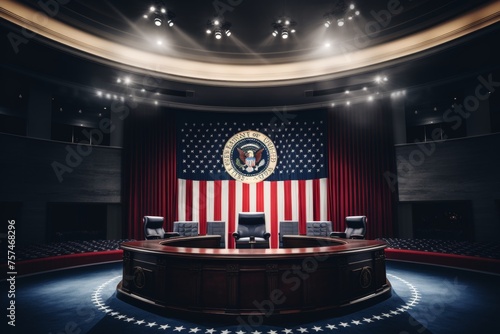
x=160 y=15
x=284 y=27
x=340 y=14
x=219 y=28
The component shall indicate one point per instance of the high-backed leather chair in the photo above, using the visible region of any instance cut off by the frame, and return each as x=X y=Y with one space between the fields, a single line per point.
x=355 y=228
x=186 y=228
x=287 y=227
x=251 y=231
x=320 y=228
x=217 y=228
x=153 y=228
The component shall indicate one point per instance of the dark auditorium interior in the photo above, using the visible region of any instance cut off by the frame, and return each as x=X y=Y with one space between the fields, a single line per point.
x=308 y=166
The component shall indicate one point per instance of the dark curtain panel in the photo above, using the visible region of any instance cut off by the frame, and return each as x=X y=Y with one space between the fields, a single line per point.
x=150 y=168
x=360 y=152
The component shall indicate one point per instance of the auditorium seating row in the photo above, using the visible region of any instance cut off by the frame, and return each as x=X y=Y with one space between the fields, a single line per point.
x=251 y=229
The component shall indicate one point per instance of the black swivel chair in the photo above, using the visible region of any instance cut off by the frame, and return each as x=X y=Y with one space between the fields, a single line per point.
x=355 y=228
x=251 y=231
x=153 y=228
x=319 y=228
x=288 y=227
x=217 y=228
x=186 y=228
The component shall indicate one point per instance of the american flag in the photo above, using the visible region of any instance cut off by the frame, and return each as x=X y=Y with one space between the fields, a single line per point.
x=297 y=190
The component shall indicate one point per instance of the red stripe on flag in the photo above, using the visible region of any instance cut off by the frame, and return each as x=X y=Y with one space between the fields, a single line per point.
x=302 y=206
x=202 y=208
x=189 y=199
x=287 y=185
x=217 y=200
x=316 y=199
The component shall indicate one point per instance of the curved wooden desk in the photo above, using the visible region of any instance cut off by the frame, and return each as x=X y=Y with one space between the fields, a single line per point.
x=310 y=274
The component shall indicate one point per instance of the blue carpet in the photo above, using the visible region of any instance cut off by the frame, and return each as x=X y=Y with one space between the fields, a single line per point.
x=425 y=299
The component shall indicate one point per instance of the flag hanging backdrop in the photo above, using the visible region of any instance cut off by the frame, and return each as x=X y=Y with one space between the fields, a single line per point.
x=297 y=190
x=330 y=164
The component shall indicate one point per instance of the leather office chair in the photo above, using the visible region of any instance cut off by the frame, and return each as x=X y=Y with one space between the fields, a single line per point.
x=153 y=228
x=287 y=227
x=217 y=228
x=186 y=228
x=251 y=231
x=319 y=228
x=355 y=228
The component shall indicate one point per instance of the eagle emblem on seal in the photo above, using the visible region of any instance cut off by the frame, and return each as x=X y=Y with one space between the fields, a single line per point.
x=250 y=158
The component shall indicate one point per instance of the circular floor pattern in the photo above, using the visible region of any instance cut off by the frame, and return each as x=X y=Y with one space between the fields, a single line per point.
x=406 y=290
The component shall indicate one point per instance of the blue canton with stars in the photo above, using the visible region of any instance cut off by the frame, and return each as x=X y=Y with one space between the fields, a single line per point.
x=300 y=140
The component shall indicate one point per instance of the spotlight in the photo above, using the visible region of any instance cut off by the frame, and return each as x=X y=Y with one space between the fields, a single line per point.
x=160 y=15
x=218 y=27
x=341 y=13
x=283 y=27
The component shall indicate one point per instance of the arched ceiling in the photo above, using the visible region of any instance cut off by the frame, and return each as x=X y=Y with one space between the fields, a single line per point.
x=89 y=44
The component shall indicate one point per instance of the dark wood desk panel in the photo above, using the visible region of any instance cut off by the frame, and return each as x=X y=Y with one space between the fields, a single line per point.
x=310 y=274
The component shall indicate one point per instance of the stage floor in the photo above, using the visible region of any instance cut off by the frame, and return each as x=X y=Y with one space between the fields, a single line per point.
x=425 y=299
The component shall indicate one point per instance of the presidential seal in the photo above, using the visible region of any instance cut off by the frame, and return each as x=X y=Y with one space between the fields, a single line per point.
x=249 y=156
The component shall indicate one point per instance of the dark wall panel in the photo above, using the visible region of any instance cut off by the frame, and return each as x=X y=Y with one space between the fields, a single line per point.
x=466 y=169
x=459 y=169
x=84 y=174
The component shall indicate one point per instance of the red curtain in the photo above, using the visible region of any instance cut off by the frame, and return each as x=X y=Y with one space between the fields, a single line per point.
x=150 y=169
x=360 y=151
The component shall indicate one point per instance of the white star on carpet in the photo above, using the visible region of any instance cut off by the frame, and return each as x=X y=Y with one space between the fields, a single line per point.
x=139 y=322
x=303 y=330
x=377 y=317
x=287 y=331
x=317 y=328
x=130 y=319
x=240 y=332
x=331 y=327
x=210 y=331
x=344 y=324
x=151 y=324
x=356 y=322
x=178 y=329
x=368 y=320
x=272 y=332
x=225 y=331
x=194 y=330
x=164 y=327
x=256 y=332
